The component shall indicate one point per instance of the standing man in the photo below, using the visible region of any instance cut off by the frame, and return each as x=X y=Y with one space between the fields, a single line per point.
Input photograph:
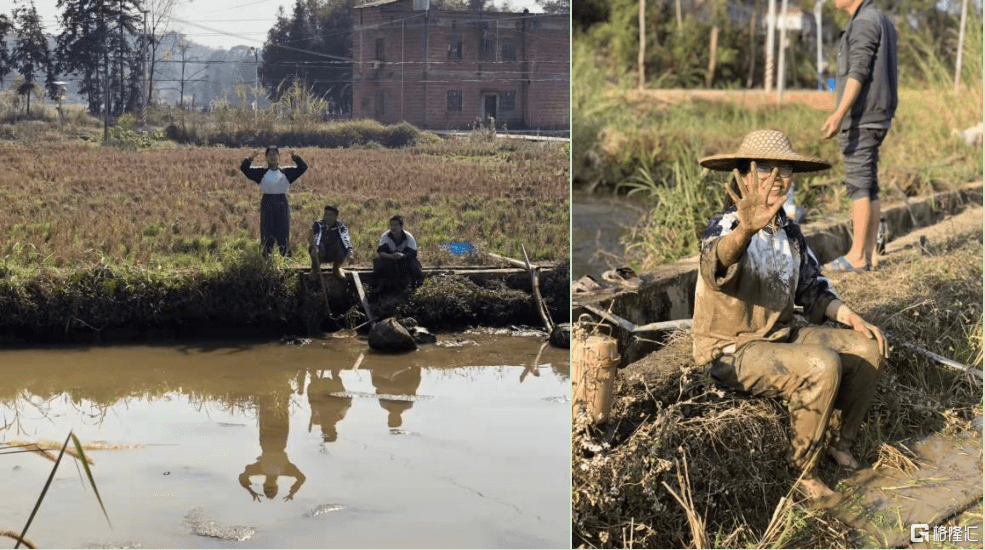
x=329 y=243
x=866 y=105
x=396 y=263
x=274 y=182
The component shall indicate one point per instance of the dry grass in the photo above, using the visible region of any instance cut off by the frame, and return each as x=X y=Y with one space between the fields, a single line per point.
x=68 y=204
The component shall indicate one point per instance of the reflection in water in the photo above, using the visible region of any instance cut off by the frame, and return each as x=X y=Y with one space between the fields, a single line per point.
x=396 y=381
x=179 y=402
x=327 y=410
x=274 y=413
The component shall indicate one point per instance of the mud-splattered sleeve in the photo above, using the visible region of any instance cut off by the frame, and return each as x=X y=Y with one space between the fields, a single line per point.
x=715 y=275
x=814 y=290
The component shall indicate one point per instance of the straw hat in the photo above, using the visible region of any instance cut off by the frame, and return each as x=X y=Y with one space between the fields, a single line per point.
x=765 y=145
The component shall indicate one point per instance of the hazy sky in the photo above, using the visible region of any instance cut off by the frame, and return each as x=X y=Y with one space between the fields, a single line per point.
x=227 y=23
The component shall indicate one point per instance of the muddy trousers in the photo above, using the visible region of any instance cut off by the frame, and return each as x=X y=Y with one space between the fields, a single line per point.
x=819 y=369
x=275 y=223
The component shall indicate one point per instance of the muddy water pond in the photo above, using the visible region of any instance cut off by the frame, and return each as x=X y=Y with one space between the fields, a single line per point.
x=262 y=444
x=598 y=224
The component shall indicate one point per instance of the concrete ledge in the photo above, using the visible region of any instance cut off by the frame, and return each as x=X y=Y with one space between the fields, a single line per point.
x=668 y=292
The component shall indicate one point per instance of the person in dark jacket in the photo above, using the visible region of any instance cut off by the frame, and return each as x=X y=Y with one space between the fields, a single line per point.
x=396 y=263
x=274 y=181
x=329 y=242
x=866 y=104
x=755 y=267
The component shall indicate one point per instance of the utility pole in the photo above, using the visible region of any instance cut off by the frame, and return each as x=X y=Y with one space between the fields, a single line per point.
x=256 y=82
x=957 y=65
x=120 y=60
x=143 y=89
x=820 y=58
x=106 y=86
x=770 y=32
x=781 y=73
x=641 y=56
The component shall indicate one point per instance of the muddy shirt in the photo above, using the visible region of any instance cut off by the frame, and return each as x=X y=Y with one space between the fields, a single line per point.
x=754 y=299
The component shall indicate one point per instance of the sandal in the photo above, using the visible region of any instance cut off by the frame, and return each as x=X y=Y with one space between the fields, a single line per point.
x=842 y=265
x=624 y=277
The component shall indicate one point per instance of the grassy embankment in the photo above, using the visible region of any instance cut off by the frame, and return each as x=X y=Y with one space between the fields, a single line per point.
x=146 y=229
x=652 y=148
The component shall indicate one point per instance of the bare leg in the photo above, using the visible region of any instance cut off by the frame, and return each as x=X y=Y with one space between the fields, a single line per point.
x=814 y=488
x=861 y=221
x=873 y=231
x=337 y=269
x=315 y=272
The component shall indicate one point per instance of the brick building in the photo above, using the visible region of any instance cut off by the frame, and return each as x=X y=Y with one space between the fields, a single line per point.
x=441 y=69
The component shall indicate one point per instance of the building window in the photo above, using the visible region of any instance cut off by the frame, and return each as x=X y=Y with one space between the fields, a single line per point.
x=455 y=47
x=488 y=46
x=378 y=104
x=380 y=49
x=507 y=101
x=454 y=100
x=509 y=51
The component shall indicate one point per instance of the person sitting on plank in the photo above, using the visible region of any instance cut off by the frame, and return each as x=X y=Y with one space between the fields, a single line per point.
x=329 y=243
x=396 y=263
x=755 y=267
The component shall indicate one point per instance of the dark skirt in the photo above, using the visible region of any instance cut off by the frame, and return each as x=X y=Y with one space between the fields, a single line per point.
x=275 y=223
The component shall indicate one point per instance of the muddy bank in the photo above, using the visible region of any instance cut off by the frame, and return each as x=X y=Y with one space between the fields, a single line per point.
x=251 y=296
x=673 y=430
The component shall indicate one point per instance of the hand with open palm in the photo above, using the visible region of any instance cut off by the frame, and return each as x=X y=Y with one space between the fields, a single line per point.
x=754 y=211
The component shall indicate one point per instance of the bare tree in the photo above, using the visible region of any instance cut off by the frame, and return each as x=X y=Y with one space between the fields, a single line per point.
x=158 y=14
x=184 y=60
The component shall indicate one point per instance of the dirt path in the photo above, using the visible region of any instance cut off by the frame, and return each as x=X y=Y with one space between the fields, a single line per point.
x=750 y=99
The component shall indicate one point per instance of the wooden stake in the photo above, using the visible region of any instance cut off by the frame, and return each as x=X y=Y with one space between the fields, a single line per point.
x=362 y=294
x=545 y=315
x=510 y=261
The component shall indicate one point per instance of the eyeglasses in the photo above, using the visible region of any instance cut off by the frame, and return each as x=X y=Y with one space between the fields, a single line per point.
x=764 y=170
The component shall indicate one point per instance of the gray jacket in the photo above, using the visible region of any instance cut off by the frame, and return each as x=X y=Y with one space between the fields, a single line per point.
x=867 y=53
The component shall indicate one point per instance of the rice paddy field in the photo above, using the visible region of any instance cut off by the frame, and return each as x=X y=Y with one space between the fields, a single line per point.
x=72 y=203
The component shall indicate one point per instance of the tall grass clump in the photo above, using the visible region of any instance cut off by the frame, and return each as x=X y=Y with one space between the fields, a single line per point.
x=684 y=198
